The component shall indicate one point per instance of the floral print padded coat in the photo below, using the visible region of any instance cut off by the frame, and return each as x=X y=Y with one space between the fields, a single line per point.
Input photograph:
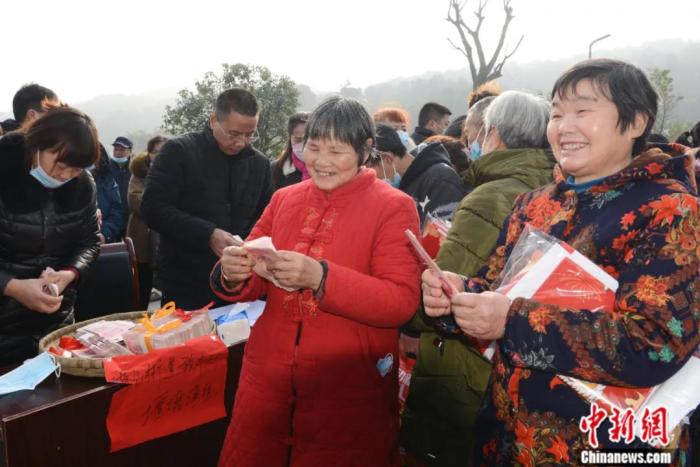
x=641 y=225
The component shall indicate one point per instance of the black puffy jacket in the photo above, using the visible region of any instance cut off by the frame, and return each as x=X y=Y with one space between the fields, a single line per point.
x=39 y=228
x=432 y=182
x=192 y=188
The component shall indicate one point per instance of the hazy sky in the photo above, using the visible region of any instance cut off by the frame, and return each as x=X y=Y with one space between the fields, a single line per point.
x=83 y=48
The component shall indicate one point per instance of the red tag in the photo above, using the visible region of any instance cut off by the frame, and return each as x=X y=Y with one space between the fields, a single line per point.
x=170 y=390
x=70 y=343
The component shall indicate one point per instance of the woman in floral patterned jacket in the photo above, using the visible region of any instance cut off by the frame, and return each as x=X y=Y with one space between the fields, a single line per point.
x=635 y=214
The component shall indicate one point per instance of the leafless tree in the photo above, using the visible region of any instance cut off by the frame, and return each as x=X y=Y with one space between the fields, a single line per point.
x=481 y=68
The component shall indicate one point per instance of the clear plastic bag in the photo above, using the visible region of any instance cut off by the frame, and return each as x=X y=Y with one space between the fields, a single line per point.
x=434 y=233
x=547 y=270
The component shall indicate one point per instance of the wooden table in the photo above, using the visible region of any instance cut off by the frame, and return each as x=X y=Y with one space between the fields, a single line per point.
x=62 y=423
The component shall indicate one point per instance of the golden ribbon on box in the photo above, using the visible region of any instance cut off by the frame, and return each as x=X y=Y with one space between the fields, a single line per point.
x=167 y=310
x=151 y=329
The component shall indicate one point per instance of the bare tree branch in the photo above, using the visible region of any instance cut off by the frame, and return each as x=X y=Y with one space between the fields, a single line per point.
x=480 y=68
x=497 y=71
x=504 y=31
x=458 y=23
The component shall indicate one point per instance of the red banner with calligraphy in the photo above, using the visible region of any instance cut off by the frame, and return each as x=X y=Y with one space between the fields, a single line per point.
x=169 y=390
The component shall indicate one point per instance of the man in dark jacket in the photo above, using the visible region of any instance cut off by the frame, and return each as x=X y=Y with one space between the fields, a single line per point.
x=433 y=119
x=119 y=167
x=428 y=177
x=109 y=202
x=201 y=190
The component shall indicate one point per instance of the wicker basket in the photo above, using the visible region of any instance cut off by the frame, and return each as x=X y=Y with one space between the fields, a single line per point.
x=90 y=367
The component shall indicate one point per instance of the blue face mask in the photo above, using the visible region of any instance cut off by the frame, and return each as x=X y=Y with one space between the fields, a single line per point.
x=120 y=160
x=396 y=180
x=405 y=139
x=46 y=180
x=475 y=151
x=29 y=374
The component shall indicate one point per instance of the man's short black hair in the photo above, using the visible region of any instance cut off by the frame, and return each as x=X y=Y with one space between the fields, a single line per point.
x=236 y=100
x=31 y=96
x=625 y=85
x=432 y=111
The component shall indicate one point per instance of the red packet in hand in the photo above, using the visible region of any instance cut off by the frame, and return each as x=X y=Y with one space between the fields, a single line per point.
x=446 y=285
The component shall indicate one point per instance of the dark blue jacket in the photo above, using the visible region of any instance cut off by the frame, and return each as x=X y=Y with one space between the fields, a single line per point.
x=110 y=204
x=122 y=175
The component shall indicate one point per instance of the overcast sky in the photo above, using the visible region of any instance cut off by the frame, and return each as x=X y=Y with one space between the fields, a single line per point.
x=82 y=48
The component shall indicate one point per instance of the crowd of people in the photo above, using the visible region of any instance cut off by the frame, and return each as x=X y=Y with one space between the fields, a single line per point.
x=347 y=297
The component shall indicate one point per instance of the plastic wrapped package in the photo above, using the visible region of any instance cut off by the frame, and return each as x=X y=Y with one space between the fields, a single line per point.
x=167 y=327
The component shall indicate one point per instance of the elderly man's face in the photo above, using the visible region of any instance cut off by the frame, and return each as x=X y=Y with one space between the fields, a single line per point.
x=121 y=151
x=473 y=129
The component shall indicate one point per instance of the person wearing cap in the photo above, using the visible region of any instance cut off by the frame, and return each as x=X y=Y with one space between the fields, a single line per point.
x=119 y=166
x=201 y=190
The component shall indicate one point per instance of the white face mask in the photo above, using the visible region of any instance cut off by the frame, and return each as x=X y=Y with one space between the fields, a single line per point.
x=298 y=150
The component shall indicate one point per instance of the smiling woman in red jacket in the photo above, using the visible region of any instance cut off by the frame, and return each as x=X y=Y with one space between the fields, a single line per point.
x=319 y=379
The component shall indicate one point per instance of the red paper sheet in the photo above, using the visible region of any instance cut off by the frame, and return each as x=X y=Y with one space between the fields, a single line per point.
x=170 y=390
x=569 y=285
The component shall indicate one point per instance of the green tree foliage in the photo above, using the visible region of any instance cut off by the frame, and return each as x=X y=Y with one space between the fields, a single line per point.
x=662 y=81
x=277 y=96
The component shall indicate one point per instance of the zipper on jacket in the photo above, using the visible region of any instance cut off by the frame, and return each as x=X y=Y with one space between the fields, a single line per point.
x=43 y=229
x=297 y=340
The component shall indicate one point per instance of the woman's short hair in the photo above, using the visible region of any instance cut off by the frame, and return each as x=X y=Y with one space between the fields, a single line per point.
x=343 y=119
x=625 y=85
x=67 y=131
x=520 y=118
x=153 y=142
x=391 y=114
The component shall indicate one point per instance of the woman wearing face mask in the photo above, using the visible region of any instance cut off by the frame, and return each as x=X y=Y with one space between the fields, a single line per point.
x=319 y=380
x=289 y=168
x=48 y=226
x=397 y=119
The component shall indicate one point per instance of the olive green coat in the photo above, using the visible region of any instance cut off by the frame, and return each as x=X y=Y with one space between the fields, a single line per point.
x=447 y=388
